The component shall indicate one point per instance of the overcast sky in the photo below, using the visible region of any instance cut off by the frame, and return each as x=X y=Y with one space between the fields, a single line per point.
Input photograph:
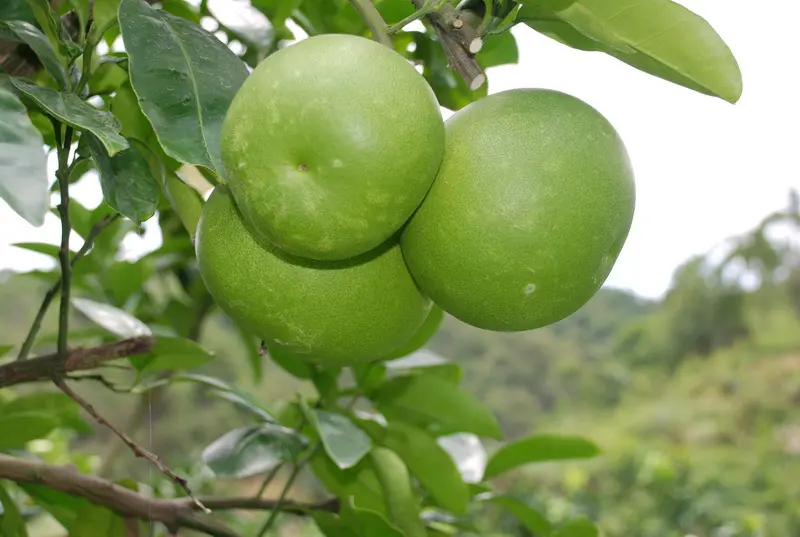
x=705 y=169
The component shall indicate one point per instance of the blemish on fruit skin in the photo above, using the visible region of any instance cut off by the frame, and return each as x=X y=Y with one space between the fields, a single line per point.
x=337 y=163
x=528 y=289
x=303 y=167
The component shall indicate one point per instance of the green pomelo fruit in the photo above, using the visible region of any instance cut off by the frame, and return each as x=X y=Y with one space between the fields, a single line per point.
x=325 y=312
x=330 y=145
x=529 y=211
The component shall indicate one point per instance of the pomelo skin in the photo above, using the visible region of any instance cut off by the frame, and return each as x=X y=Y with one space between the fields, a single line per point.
x=530 y=209
x=329 y=313
x=330 y=145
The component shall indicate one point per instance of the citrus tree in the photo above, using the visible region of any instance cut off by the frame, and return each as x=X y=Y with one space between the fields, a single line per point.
x=310 y=192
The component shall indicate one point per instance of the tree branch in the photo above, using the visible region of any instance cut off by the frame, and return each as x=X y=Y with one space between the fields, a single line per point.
x=45 y=367
x=137 y=450
x=460 y=42
x=173 y=513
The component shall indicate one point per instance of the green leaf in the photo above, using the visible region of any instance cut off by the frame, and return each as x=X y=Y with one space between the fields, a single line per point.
x=70 y=109
x=332 y=526
x=289 y=363
x=577 y=527
x=23 y=162
x=344 y=442
x=55 y=404
x=365 y=522
x=433 y=401
x=185 y=79
x=106 y=78
x=532 y=519
x=253 y=349
x=23 y=32
x=360 y=482
x=253 y=450
x=430 y=464
x=12 y=524
x=51 y=250
x=22 y=427
x=4 y=349
x=16 y=10
x=245 y=403
x=539 y=448
x=423 y=334
x=172 y=353
x=659 y=37
x=498 y=49
x=64 y=507
x=112 y=319
x=127 y=181
x=50 y=23
x=94 y=520
x=104 y=15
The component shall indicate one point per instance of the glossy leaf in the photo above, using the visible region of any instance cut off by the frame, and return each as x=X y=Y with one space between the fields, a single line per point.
x=112 y=319
x=577 y=527
x=498 y=49
x=127 y=181
x=343 y=441
x=23 y=162
x=430 y=400
x=253 y=450
x=430 y=464
x=12 y=524
x=23 y=32
x=532 y=519
x=332 y=526
x=539 y=448
x=72 y=110
x=185 y=79
x=659 y=37
x=22 y=427
x=172 y=353
x=367 y=523
x=57 y=405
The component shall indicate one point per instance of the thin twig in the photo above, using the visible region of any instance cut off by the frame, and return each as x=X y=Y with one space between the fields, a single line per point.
x=374 y=21
x=137 y=450
x=116 y=388
x=173 y=513
x=45 y=367
x=53 y=291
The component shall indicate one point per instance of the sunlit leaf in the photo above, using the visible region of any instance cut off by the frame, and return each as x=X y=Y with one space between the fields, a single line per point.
x=659 y=37
x=577 y=527
x=23 y=163
x=55 y=404
x=72 y=110
x=367 y=523
x=112 y=319
x=532 y=519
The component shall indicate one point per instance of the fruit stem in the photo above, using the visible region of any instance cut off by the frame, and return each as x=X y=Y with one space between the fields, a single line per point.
x=374 y=21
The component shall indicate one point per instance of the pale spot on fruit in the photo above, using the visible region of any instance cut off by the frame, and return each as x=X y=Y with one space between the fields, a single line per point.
x=337 y=163
x=529 y=289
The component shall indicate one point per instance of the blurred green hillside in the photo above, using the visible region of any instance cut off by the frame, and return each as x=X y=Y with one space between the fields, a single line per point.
x=694 y=399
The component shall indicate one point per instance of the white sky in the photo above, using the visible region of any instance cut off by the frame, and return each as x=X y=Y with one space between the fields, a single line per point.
x=705 y=169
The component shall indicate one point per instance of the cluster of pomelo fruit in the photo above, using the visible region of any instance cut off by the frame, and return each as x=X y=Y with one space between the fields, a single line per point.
x=352 y=209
